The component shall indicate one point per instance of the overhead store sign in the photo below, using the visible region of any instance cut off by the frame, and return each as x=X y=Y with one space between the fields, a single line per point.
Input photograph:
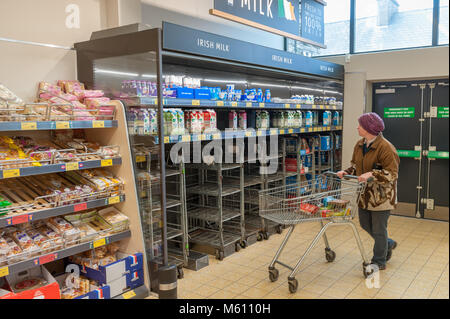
x=277 y=16
x=182 y=39
x=399 y=112
x=312 y=23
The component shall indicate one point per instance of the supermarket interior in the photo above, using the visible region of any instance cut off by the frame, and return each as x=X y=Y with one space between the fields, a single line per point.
x=220 y=149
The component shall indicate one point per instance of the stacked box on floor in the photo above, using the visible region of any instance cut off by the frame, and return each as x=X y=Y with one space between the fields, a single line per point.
x=122 y=275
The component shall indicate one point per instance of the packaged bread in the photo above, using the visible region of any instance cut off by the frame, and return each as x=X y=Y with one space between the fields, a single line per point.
x=71 y=86
x=25 y=242
x=46 y=87
x=68 y=232
x=55 y=238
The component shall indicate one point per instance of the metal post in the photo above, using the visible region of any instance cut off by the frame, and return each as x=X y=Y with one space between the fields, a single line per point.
x=435 y=34
x=162 y=160
x=419 y=186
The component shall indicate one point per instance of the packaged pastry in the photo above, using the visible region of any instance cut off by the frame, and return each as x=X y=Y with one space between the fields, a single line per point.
x=71 y=86
x=95 y=103
x=8 y=97
x=13 y=248
x=49 y=88
x=70 y=234
x=55 y=238
x=115 y=218
x=83 y=94
x=39 y=239
x=25 y=242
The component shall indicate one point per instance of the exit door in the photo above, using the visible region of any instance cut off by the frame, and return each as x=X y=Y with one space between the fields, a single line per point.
x=416 y=119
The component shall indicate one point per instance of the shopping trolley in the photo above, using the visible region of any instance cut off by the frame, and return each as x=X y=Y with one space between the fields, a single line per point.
x=328 y=199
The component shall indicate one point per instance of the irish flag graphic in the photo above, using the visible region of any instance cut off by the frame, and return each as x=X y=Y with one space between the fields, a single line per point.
x=286 y=10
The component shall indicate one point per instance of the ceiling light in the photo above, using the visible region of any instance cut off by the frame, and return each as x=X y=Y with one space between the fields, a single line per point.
x=115 y=72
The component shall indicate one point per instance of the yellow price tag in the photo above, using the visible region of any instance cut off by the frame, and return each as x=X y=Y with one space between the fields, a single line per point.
x=273 y=132
x=321 y=107
x=298 y=106
x=249 y=104
x=156 y=101
x=248 y=134
x=98 y=124
x=259 y=133
x=202 y=137
x=291 y=131
x=217 y=136
x=28 y=126
x=262 y=104
x=140 y=159
x=10 y=173
x=281 y=131
x=107 y=162
x=99 y=243
x=113 y=200
x=310 y=129
x=288 y=106
x=334 y=107
x=219 y=103
x=62 y=125
x=129 y=294
x=314 y=107
x=4 y=271
x=166 y=139
x=72 y=166
x=302 y=130
x=186 y=138
x=234 y=104
x=196 y=102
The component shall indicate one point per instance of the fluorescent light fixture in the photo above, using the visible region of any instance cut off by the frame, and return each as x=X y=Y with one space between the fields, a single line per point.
x=148 y=76
x=115 y=72
x=333 y=92
x=306 y=89
x=224 y=81
x=270 y=85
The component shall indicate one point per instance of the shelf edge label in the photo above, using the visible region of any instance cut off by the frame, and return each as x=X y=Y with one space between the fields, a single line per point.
x=60 y=125
x=25 y=126
x=11 y=173
x=98 y=124
x=72 y=166
x=99 y=243
x=129 y=294
x=107 y=162
x=80 y=207
x=48 y=258
x=113 y=200
x=4 y=271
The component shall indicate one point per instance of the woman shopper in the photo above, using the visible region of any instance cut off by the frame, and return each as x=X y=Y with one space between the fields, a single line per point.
x=375 y=158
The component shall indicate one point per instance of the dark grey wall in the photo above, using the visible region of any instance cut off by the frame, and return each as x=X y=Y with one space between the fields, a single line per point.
x=154 y=17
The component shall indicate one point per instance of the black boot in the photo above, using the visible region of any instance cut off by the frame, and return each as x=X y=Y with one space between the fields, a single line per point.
x=389 y=253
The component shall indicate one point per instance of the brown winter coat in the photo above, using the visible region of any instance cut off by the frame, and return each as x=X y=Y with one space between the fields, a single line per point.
x=382 y=160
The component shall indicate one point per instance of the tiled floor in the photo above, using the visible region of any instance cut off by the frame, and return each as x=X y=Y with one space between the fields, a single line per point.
x=419 y=267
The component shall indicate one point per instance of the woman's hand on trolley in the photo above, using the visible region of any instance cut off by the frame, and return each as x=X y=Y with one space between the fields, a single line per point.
x=341 y=174
x=365 y=177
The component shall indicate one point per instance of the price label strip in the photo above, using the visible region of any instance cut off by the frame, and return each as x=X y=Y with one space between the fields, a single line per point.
x=220 y=103
x=288 y=106
x=108 y=162
x=140 y=159
x=114 y=200
x=27 y=126
x=98 y=124
x=73 y=166
x=196 y=102
x=62 y=125
x=234 y=104
x=4 y=271
x=166 y=139
x=99 y=243
x=11 y=173
x=129 y=294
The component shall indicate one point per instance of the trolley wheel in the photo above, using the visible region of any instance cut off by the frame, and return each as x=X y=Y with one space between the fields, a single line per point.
x=293 y=285
x=260 y=237
x=330 y=255
x=244 y=244
x=279 y=229
x=237 y=247
x=365 y=272
x=180 y=273
x=219 y=254
x=266 y=235
x=273 y=274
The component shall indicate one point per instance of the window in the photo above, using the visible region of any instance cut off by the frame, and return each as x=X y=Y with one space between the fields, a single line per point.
x=443 y=22
x=393 y=24
x=337 y=28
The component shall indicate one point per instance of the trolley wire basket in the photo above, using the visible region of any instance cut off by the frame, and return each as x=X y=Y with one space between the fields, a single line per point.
x=327 y=199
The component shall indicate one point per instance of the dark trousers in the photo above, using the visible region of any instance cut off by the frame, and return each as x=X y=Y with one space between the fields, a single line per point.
x=375 y=223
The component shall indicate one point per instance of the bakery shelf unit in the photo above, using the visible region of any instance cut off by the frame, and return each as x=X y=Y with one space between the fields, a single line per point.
x=143 y=68
x=25 y=184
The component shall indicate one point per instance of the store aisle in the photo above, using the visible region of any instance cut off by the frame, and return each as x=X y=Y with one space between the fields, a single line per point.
x=419 y=267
